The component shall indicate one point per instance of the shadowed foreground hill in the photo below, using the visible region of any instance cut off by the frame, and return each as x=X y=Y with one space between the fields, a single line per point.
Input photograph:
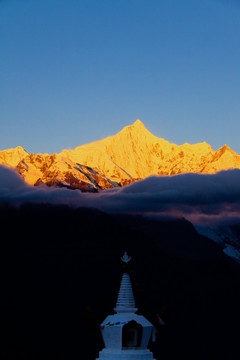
x=60 y=271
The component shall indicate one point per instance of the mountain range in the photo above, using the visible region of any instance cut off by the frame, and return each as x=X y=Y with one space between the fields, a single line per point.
x=130 y=155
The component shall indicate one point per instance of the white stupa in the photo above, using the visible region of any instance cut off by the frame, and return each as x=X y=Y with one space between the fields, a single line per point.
x=126 y=334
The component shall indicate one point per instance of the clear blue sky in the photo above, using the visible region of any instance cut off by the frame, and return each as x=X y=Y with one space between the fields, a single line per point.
x=75 y=71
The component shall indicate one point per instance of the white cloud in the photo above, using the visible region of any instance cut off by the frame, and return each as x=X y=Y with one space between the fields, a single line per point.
x=194 y=196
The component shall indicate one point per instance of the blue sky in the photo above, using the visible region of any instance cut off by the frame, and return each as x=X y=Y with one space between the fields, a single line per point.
x=75 y=71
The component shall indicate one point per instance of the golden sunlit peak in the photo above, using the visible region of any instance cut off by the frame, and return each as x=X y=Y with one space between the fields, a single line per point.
x=138 y=123
x=137 y=128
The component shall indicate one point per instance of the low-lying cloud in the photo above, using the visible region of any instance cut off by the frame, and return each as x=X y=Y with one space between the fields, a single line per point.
x=197 y=197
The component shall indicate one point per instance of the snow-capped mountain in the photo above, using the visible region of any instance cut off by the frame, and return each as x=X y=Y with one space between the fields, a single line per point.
x=132 y=154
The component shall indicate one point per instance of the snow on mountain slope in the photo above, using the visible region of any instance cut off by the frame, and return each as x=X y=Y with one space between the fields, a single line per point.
x=225 y=236
x=56 y=170
x=132 y=154
x=136 y=153
x=11 y=157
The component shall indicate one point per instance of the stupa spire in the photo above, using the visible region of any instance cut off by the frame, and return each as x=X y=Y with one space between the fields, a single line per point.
x=125 y=301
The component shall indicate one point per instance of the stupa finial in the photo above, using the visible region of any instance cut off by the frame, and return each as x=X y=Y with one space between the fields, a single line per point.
x=125 y=258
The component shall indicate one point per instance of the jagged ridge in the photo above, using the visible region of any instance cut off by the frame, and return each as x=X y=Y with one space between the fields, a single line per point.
x=132 y=154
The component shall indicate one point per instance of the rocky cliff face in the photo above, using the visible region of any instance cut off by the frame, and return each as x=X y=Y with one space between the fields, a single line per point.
x=132 y=154
x=59 y=171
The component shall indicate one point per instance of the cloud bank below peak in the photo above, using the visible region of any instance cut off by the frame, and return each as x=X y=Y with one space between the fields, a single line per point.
x=197 y=197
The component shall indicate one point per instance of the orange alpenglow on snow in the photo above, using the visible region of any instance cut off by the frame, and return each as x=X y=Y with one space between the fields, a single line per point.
x=132 y=154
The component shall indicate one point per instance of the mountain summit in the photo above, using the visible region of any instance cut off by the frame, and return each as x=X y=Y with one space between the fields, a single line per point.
x=138 y=124
x=132 y=154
